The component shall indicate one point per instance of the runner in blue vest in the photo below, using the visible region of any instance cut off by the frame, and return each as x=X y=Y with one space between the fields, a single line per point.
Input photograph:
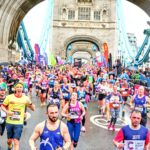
x=53 y=133
x=140 y=102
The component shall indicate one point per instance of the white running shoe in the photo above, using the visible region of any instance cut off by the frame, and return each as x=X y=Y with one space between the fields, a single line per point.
x=83 y=129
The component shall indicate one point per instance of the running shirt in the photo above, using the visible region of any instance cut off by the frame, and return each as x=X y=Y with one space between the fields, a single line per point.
x=81 y=96
x=51 y=140
x=55 y=97
x=16 y=105
x=124 y=90
x=114 y=100
x=66 y=94
x=139 y=104
x=44 y=84
x=133 y=139
x=75 y=112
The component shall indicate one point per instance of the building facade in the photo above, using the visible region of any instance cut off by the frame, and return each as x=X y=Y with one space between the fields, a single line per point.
x=79 y=25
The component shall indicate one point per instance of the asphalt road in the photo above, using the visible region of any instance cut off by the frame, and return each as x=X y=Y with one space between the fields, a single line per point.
x=97 y=137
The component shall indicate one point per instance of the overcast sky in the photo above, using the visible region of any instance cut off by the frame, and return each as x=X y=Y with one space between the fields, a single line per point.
x=135 y=21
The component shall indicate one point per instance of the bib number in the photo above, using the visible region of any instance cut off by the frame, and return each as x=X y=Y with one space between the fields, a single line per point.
x=139 y=109
x=16 y=116
x=134 y=145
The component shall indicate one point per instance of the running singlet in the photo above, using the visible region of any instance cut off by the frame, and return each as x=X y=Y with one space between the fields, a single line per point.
x=139 y=104
x=114 y=101
x=75 y=113
x=55 y=97
x=134 y=139
x=81 y=96
x=51 y=140
x=16 y=105
x=44 y=84
x=66 y=94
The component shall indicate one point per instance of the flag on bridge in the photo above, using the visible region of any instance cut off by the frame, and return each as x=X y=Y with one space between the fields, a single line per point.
x=52 y=60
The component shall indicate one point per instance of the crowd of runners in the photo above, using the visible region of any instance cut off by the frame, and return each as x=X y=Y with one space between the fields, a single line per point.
x=70 y=89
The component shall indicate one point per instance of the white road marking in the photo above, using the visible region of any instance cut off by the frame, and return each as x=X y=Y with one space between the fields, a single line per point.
x=99 y=121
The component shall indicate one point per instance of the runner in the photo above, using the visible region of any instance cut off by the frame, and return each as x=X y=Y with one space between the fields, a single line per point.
x=66 y=90
x=14 y=105
x=52 y=132
x=2 y=113
x=74 y=112
x=55 y=94
x=44 y=89
x=81 y=97
x=140 y=102
x=115 y=100
x=134 y=136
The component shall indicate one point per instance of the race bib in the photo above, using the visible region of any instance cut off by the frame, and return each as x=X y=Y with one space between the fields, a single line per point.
x=73 y=116
x=82 y=100
x=134 y=145
x=139 y=109
x=115 y=105
x=124 y=93
x=16 y=116
x=56 y=100
x=65 y=95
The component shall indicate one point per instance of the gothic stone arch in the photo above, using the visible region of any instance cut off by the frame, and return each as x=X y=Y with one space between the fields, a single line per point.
x=77 y=38
x=11 y=14
x=145 y=5
x=13 y=11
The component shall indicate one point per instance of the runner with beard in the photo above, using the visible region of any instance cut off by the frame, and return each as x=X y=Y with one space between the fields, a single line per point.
x=52 y=132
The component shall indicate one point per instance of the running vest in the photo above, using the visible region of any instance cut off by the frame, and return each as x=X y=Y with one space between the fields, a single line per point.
x=75 y=113
x=81 y=94
x=66 y=94
x=134 y=139
x=81 y=97
x=55 y=97
x=51 y=140
x=139 y=104
x=54 y=94
x=44 y=84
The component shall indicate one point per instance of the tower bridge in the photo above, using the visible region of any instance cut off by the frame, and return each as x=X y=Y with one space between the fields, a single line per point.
x=12 y=12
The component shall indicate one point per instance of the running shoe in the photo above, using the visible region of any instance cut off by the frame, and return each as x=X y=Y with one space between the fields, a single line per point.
x=83 y=129
x=113 y=127
x=75 y=144
x=10 y=147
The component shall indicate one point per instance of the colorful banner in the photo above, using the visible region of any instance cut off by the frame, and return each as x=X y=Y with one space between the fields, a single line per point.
x=37 y=53
x=52 y=60
x=106 y=53
x=59 y=60
x=101 y=62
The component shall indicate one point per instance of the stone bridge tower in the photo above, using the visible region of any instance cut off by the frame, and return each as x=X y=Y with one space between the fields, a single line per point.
x=79 y=25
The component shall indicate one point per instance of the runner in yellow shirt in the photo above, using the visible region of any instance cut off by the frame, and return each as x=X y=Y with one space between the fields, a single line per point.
x=14 y=105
